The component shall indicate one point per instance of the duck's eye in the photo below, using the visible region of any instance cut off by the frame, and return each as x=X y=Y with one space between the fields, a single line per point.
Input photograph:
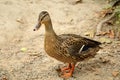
x=42 y=16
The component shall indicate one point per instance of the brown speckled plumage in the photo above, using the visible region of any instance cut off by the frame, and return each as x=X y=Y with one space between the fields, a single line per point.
x=66 y=47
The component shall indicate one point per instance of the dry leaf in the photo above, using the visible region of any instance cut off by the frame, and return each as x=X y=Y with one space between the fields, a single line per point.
x=105 y=40
x=111 y=34
x=23 y=49
x=115 y=73
x=90 y=33
x=103 y=13
x=101 y=33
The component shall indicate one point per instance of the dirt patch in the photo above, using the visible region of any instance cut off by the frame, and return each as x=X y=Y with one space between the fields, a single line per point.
x=17 y=19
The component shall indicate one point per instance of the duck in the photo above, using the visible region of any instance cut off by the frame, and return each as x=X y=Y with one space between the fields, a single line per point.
x=67 y=48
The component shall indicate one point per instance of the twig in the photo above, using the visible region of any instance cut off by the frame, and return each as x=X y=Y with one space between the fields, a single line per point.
x=99 y=26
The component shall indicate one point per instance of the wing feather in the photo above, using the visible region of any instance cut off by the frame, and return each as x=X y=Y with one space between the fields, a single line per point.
x=73 y=43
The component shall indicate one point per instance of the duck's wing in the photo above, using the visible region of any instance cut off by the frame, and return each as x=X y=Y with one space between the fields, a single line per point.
x=75 y=45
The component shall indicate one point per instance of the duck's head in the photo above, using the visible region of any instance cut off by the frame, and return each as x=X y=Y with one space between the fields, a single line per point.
x=43 y=18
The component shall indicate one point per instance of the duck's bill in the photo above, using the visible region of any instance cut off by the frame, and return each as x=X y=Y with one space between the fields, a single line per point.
x=37 y=27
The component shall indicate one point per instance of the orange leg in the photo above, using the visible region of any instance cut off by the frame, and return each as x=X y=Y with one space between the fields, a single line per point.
x=64 y=69
x=67 y=71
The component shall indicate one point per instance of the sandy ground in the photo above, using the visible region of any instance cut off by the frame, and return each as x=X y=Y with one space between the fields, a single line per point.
x=17 y=20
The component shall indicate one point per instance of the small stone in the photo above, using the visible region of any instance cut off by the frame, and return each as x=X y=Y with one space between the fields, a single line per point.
x=20 y=21
x=115 y=73
x=78 y=1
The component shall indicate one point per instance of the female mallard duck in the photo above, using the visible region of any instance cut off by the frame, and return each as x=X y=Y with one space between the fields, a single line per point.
x=68 y=48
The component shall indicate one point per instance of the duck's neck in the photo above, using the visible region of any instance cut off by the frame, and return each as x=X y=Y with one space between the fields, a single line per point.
x=49 y=29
